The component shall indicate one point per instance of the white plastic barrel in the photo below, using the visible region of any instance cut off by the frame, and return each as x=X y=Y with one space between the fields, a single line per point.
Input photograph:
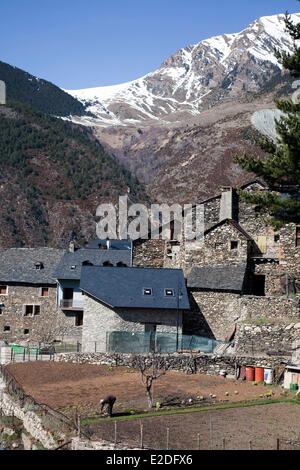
x=268 y=376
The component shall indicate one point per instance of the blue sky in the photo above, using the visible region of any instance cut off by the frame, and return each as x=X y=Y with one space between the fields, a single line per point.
x=84 y=43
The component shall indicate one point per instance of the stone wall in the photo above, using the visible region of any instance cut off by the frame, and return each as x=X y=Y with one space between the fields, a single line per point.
x=149 y=253
x=273 y=340
x=31 y=421
x=199 y=363
x=269 y=325
x=213 y=314
x=217 y=248
x=12 y=315
x=270 y=309
x=99 y=319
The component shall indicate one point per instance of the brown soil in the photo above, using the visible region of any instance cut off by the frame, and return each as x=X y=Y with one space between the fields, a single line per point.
x=262 y=425
x=67 y=386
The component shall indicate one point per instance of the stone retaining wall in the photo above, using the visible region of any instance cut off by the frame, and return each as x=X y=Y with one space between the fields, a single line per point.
x=200 y=363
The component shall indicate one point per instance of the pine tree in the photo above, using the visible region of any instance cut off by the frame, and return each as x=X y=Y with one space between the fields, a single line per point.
x=281 y=167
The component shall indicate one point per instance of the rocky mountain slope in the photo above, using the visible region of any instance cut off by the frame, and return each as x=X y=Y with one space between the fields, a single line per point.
x=195 y=78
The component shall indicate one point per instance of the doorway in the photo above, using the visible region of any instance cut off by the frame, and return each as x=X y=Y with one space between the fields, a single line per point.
x=150 y=330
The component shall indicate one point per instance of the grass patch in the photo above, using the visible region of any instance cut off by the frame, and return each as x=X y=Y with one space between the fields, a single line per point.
x=178 y=411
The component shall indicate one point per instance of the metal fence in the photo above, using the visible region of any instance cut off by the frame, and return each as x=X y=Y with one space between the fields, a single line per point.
x=131 y=342
x=40 y=352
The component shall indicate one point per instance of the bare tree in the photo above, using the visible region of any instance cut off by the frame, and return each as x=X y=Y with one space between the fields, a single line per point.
x=151 y=368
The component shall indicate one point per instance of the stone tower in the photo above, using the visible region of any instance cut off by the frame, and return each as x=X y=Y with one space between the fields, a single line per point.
x=2 y=92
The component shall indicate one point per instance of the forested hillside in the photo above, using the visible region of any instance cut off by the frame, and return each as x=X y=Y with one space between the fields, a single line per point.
x=53 y=176
x=40 y=94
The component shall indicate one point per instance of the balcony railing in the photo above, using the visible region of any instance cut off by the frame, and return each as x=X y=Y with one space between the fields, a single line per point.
x=71 y=304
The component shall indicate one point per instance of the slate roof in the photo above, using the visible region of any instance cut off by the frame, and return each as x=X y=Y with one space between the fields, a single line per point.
x=114 y=244
x=235 y=224
x=18 y=265
x=218 y=278
x=124 y=287
x=71 y=263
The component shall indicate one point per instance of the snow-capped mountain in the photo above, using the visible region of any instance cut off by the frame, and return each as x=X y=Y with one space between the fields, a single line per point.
x=194 y=78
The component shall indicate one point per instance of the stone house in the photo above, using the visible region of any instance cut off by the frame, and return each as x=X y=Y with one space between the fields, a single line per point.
x=68 y=274
x=28 y=293
x=240 y=245
x=120 y=303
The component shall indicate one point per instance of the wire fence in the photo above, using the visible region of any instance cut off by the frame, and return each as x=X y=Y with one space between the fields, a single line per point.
x=145 y=434
x=40 y=352
x=52 y=420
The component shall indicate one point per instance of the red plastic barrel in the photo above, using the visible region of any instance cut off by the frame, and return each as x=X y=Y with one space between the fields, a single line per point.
x=250 y=374
x=259 y=374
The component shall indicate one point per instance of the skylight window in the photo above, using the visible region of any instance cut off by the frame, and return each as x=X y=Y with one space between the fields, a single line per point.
x=73 y=267
x=169 y=292
x=39 y=266
x=147 y=291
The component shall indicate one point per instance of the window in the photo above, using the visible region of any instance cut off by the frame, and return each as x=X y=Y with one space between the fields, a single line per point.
x=121 y=265
x=26 y=331
x=37 y=309
x=45 y=292
x=73 y=267
x=276 y=238
x=147 y=291
x=32 y=310
x=298 y=236
x=87 y=263
x=107 y=264
x=234 y=245
x=6 y=328
x=39 y=266
x=169 y=292
x=3 y=290
x=79 y=319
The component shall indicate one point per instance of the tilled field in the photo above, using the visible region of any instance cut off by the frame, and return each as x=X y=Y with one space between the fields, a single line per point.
x=68 y=387
x=256 y=427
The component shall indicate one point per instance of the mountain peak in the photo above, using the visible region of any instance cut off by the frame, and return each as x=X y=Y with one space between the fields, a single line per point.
x=198 y=76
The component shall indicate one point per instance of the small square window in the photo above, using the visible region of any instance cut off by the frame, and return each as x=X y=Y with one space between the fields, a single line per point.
x=147 y=291
x=37 y=309
x=169 y=292
x=39 y=266
x=3 y=290
x=234 y=245
x=45 y=292
x=32 y=310
x=26 y=331
x=28 y=311
x=6 y=328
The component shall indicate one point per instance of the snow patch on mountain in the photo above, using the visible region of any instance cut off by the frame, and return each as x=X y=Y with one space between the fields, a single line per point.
x=226 y=66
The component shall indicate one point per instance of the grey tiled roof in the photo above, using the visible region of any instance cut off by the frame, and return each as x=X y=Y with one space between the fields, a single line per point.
x=114 y=244
x=18 y=265
x=71 y=263
x=124 y=287
x=220 y=278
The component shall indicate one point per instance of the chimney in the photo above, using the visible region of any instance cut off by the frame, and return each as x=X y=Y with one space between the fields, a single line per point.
x=72 y=246
x=228 y=204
